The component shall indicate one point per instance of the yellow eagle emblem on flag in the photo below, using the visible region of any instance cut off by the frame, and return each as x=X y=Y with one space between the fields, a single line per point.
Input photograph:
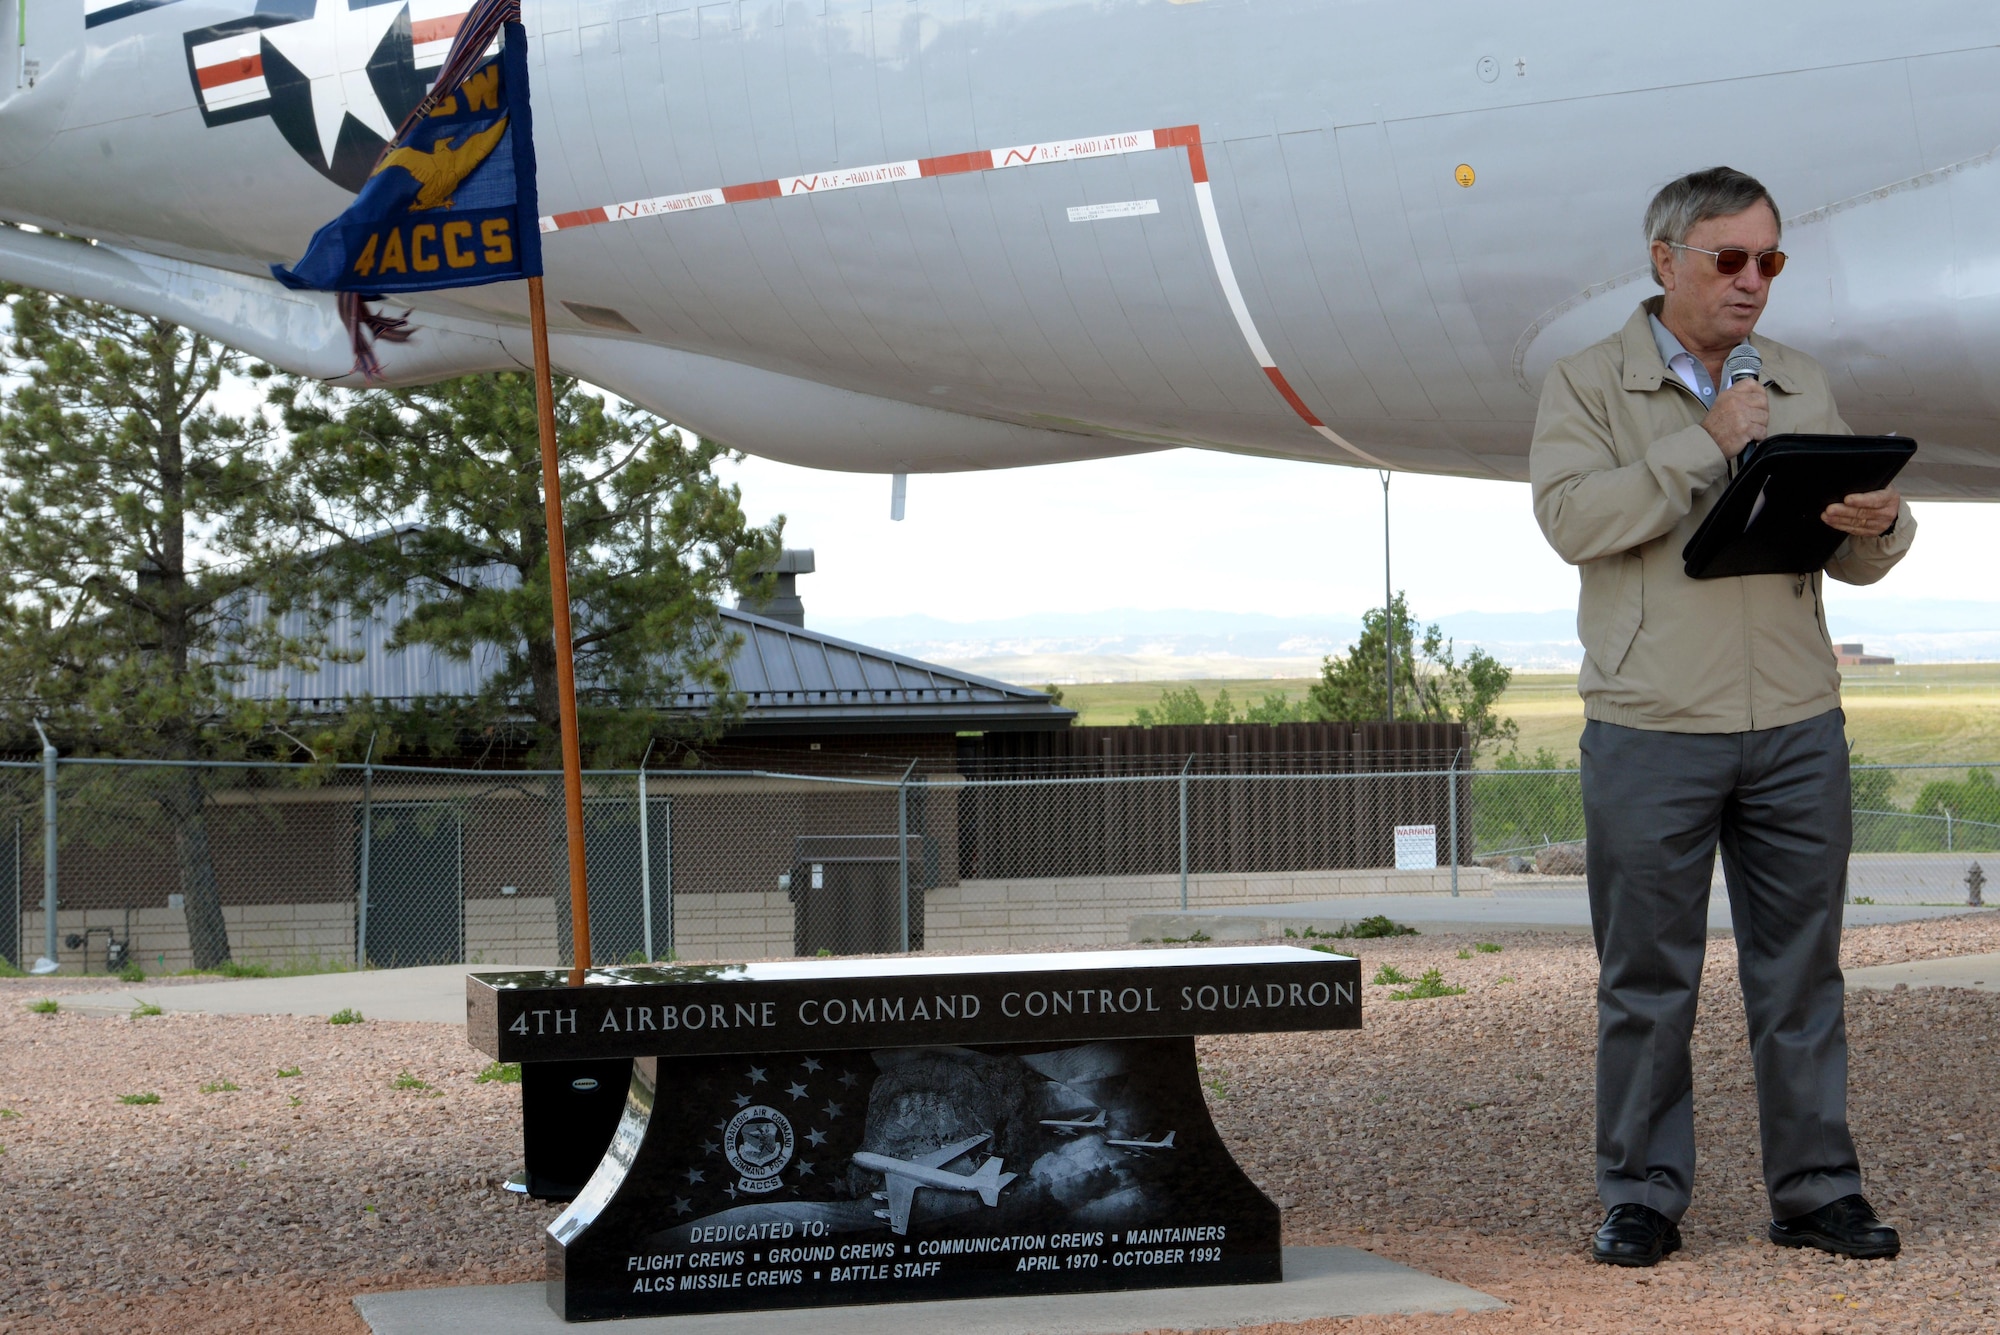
x=440 y=170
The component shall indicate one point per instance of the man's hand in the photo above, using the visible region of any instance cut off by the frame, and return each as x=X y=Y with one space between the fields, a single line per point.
x=1866 y=514
x=1742 y=413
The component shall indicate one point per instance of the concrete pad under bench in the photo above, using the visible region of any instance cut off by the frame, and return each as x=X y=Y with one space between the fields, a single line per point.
x=1319 y=1282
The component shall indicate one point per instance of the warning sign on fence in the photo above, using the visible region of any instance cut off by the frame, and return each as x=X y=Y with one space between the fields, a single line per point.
x=1416 y=847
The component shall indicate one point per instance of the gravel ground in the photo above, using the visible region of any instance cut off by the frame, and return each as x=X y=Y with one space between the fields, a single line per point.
x=1452 y=1134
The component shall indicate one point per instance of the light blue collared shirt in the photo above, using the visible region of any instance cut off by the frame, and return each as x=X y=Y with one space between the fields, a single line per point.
x=1684 y=364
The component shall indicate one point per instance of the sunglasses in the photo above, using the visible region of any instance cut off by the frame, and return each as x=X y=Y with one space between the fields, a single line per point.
x=1770 y=263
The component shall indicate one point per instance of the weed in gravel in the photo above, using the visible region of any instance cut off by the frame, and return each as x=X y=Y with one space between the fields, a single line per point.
x=145 y=1008
x=1327 y=950
x=407 y=1081
x=1432 y=984
x=46 y=1006
x=1388 y=974
x=131 y=973
x=287 y=1072
x=1371 y=928
x=1465 y=954
x=1196 y=935
x=296 y=1101
x=1489 y=947
x=503 y=1073
x=7 y=969
x=8 y=1114
x=1507 y=978
x=1862 y=899
x=148 y=1097
x=220 y=1087
x=1217 y=1085
x=345 y=1015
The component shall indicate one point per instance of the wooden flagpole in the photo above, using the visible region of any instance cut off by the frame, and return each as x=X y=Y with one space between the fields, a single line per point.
x=572 y=755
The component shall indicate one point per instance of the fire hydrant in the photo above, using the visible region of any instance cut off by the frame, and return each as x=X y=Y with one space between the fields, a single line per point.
x=1974 y=880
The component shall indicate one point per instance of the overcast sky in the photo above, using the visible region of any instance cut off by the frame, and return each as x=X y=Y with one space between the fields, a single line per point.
x=1217 y=532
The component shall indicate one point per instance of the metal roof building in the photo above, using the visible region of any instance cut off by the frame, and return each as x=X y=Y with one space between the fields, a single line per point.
x=795 y=681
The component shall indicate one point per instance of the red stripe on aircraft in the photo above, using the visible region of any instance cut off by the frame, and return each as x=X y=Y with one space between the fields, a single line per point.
x=1291 y=396
x=436 y=30
x=581 y=218
x=230 y=71
x=956 y=163
x=1188 y=137
x=737 y=194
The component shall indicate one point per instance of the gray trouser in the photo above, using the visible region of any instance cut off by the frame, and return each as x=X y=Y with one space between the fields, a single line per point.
x=1655 y=805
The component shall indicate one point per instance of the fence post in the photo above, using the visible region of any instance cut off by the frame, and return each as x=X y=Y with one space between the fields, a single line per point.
x=903 y=850
x=1184 y=830
x=1947 y=830
x=367 y=844
x=1451 y=777
x=645 y=861
x=47 y=963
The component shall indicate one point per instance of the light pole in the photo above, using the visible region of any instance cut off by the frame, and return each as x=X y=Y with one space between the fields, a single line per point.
x=1388 y=607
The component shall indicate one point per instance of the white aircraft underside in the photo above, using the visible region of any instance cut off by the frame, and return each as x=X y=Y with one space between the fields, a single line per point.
x=911 y=235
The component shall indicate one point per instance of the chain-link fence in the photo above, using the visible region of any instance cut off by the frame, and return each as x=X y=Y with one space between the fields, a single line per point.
x=168 y=866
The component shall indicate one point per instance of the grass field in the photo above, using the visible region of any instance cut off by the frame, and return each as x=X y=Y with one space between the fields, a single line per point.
x=1942 y=713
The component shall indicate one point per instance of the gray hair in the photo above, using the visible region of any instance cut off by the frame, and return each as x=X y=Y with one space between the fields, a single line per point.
x=1716 y=192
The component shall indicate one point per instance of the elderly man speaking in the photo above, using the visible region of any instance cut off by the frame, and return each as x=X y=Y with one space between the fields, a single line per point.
x=1712 y=713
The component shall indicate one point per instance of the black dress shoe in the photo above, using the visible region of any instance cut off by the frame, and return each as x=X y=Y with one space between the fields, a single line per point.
x=1846 y=1227
x=1635 y=1235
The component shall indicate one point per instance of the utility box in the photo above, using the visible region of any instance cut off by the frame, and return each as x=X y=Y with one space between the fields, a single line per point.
x=846 y=892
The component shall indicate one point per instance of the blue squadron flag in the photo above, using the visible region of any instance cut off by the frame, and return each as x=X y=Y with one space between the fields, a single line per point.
x=451 y=201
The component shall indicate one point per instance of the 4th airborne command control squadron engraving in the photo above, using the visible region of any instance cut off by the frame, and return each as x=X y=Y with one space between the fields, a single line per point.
x=823 y=1133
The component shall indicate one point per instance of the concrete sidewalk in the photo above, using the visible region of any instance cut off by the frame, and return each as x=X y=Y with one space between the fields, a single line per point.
x=1319 y=1282
x=435 y=993
x=1981 y=972
x=1473 y=912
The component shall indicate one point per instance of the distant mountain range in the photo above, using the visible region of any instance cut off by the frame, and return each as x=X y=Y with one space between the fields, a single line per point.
x=1134 y=644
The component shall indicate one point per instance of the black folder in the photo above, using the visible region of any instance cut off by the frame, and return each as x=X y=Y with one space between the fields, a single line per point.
x=1767 y=521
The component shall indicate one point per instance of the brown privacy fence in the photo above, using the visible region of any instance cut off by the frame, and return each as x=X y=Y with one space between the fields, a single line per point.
x=1263 y=748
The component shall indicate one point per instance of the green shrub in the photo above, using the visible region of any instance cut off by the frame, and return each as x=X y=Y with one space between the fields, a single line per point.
x=46 y=1006
x=1432 y=984
x=1372 y=928
x=502 y=1073
x=139 y=1098
x=346 y=1015
x=1388 y=974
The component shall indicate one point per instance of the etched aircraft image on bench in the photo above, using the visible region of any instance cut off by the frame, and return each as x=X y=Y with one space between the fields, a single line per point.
x=902 y=1177
x=1069 y=1126
x=1165 y=1142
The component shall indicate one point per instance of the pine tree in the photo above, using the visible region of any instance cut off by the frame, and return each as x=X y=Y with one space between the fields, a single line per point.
x=430 y=492
x=147 y=547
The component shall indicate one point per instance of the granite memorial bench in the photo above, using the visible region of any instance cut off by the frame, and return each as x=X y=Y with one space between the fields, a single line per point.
x=834 y=1131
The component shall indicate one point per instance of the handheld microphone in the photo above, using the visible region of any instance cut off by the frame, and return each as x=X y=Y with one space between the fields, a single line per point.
x=1744 y=363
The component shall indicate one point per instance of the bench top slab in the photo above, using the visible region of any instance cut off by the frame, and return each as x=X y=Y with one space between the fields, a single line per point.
x=906 y=1000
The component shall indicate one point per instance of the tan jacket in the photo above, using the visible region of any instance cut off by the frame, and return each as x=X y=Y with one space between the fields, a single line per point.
x=1622 y=475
